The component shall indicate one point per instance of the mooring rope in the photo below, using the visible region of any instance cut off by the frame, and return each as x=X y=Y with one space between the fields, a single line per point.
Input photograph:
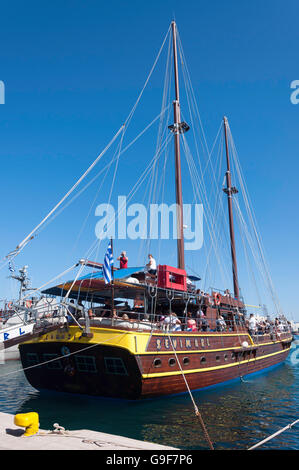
x=197 y=413
x=289 y=426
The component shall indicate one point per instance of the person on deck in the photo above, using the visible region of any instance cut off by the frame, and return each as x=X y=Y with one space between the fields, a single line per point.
x=74 y=311
x=126 y=307
x=220 y=323
x=191 y=322
x=106 y=310
x=90 y=313
x=252 y=326
x=172 y=322
x=151 y=265
x=123 y=260
x=204 y=324
x=71 y=312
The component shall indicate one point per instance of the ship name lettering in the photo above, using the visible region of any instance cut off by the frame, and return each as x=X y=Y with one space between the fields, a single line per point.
x=158 y=343
x=166 y=342
x=188 y=343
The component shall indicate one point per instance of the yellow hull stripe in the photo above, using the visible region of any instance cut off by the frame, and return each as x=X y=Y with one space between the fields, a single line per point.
x=206 y=369
x=135 y=342
x=120 y=338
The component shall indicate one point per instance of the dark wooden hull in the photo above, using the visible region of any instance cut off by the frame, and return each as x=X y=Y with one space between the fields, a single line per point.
x=206 y=378
x=110 y=371
x=70 y=374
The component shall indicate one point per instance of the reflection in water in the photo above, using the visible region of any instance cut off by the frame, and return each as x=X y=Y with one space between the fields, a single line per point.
x=236 y=415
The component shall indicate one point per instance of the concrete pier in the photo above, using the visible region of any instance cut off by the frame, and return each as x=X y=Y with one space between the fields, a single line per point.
x=11 y=438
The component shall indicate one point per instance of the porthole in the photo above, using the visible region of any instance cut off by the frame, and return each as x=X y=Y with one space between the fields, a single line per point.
x=171 y=361
x=203 y=359
x=217 y=358
x=157 y=363
x=225 y=357
x=186 y=361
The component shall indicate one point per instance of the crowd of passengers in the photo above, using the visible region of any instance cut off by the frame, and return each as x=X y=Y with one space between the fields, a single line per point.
x=192 y=321
x=186 y=322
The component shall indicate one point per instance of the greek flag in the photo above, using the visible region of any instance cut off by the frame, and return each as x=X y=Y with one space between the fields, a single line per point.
x=108 y=264
x=10 y=267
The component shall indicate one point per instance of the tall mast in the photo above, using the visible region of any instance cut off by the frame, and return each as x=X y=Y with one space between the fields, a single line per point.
x=177 y=129
x=229 y=190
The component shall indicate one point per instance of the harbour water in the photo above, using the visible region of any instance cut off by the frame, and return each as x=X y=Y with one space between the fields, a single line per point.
x=237 y=415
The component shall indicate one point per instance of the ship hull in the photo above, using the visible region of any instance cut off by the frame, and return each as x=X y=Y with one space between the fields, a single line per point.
x=83 y=373
x=144 y=365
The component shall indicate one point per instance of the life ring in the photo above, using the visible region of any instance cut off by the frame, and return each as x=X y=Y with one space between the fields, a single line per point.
x=9 y=305
x=217 y=298
x=28 y=303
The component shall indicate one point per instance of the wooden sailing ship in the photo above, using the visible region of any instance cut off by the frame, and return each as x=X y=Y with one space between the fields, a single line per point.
x=145 y=356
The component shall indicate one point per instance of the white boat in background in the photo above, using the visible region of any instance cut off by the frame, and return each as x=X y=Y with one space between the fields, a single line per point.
x=22 y=319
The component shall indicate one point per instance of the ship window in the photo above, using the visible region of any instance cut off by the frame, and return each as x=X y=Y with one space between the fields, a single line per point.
x=115 y=365
x=171 y=361
x=52 y=364
x=217 y=358
x=32 y=359
x=203 y=359
x=186 y=361
x=85 y=364
x=157 y=362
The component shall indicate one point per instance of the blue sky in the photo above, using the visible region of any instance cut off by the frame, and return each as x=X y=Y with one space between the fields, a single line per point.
x=73 y=70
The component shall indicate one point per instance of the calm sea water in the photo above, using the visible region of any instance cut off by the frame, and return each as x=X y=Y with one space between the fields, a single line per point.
x=237 y=415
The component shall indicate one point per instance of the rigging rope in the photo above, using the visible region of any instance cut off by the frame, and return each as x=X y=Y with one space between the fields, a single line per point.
x=130 y=195
x=30 y=236
x=253 y=221
x=106 y=167
x=197 y=413
x=289 y=426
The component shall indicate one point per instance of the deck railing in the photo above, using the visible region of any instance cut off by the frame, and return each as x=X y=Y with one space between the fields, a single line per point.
x=139 y=320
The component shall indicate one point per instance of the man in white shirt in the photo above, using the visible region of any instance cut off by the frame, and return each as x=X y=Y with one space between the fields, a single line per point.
x=172 y=322
x=252 y=324
x=151 y=265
